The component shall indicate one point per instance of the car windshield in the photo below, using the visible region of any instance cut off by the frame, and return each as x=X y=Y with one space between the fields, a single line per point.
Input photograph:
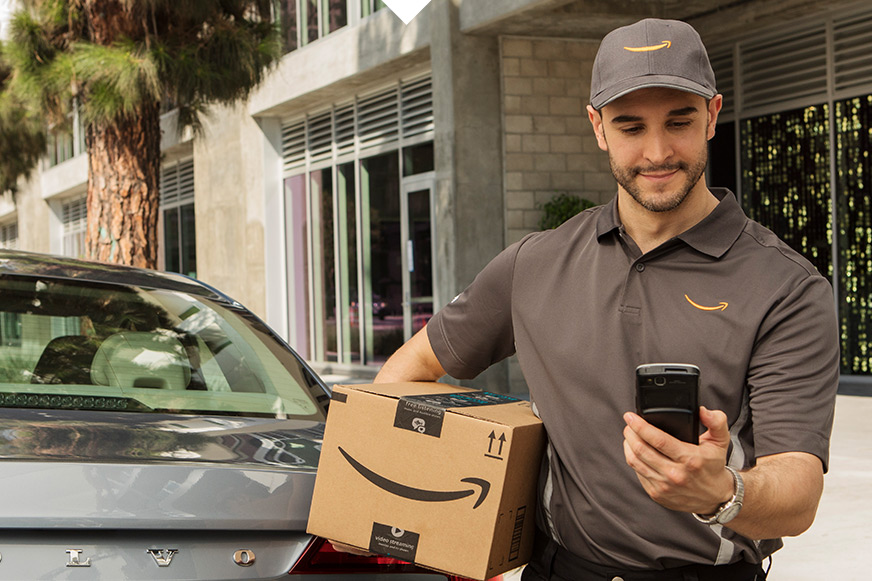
x=80 y=345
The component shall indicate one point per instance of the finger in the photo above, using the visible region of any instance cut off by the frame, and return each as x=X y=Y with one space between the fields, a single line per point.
x=718 y=431
x=653 y=482
x=648 y=463
x=671 y=448
x=633 y=455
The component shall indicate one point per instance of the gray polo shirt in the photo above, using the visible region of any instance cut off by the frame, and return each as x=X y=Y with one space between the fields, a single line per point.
x=582 y=307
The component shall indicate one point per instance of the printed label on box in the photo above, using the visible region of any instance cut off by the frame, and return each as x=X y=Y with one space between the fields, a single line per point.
x=461 y=400
x=393 y=541
x=419 y=417
x=425 y=413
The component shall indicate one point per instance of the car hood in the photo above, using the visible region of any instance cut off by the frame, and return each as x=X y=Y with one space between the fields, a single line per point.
x=63 y=469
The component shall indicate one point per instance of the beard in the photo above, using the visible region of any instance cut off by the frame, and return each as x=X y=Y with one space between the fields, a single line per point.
x=660 y=201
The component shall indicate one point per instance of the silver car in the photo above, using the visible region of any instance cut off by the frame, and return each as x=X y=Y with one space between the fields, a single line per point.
x=153 y=428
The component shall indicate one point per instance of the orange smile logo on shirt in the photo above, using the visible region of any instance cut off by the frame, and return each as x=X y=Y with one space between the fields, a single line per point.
x=721 y=306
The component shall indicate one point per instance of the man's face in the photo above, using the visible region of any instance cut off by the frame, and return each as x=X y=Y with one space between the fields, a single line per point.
x=657 y=144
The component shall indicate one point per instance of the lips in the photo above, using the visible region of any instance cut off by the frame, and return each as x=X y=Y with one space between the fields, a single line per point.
x=659 y=176
x=660 y=172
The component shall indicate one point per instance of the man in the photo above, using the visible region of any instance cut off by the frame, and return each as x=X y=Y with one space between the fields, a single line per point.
x=669 y=271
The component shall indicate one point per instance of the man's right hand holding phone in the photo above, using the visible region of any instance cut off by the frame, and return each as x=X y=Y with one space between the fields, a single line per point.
x=679 y=475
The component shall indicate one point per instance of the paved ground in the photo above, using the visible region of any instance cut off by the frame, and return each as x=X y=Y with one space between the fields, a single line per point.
x=839 y=541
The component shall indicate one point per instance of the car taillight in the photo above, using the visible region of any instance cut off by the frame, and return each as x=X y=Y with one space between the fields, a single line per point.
x=320 y=558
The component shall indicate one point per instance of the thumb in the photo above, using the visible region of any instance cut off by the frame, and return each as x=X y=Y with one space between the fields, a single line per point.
x=716 y=421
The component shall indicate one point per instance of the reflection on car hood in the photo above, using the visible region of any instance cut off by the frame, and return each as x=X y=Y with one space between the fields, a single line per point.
x=123 y=470
x=126 y=437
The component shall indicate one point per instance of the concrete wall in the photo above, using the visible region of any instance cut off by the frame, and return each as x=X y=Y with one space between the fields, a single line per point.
x=549 y=144
x=230 y=213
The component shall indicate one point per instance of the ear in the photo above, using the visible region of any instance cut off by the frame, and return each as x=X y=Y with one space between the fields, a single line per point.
x=596 y=120
x=714 y=107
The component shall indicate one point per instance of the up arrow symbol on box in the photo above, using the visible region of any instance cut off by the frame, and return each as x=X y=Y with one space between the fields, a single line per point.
x=406 y=9
x=493 y=438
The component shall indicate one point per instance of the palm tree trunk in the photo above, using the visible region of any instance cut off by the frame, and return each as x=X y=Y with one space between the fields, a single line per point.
x=123 y=197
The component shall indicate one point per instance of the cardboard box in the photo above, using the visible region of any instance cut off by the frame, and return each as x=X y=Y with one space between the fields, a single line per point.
x=435 y=474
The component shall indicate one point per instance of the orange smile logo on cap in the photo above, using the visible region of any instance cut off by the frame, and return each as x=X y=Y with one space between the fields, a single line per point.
x=664 y=44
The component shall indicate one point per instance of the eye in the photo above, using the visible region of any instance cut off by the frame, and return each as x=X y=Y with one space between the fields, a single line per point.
x=631 y=129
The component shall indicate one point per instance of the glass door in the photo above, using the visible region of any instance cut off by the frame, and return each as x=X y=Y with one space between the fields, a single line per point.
x=417 y=254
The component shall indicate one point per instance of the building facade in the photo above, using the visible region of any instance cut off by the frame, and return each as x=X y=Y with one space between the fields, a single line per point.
x=381 y=165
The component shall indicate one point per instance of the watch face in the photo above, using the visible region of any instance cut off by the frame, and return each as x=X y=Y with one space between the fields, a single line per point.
x=729 y=513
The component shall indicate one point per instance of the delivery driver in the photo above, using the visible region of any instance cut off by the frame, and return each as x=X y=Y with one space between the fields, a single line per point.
x=668 y=271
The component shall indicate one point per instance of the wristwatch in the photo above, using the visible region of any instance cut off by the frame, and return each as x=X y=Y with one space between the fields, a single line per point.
x=730 y=509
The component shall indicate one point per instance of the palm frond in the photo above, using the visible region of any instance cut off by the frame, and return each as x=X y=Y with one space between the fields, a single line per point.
x=117 y=78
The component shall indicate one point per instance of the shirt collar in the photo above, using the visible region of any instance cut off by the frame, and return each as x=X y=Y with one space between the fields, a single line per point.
x=714 y=235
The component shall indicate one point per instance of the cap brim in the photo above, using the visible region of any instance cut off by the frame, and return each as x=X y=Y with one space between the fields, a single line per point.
x=648 y=82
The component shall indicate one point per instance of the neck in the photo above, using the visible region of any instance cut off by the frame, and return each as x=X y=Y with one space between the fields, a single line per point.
x=651 y=229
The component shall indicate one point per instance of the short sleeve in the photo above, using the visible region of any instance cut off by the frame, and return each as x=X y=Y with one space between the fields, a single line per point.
x=793 y=375
x=474 y=331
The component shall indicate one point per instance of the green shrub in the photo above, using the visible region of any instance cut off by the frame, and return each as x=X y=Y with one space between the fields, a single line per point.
x=561 y=208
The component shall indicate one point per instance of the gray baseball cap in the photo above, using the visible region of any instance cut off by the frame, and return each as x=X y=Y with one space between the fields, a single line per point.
x=651 y=53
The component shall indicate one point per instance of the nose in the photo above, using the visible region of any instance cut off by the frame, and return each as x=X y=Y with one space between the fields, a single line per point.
x=658 y=148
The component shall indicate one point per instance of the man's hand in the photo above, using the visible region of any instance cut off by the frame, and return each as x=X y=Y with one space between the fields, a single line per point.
x=678 y=475
x=782 y=491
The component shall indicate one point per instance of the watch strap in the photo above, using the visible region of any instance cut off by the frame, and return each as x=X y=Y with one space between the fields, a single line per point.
x=728 y=510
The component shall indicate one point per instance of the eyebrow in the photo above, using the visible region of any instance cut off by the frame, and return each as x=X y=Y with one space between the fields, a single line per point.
x=684 y=111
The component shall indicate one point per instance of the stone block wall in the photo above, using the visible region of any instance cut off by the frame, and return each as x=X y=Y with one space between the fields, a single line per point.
x=549 y=146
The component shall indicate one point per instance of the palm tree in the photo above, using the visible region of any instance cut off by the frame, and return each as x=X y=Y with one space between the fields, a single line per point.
x=117 y=62
x=22 y=136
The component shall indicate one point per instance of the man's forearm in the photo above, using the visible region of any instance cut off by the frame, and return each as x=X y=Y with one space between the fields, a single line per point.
x=782 y=493
x=414 y=361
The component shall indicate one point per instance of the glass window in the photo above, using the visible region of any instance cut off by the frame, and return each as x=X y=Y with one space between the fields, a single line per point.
x=418 y=159
x=350 y=299
x=854 y=231
x=368 y=7
x=60 y=145
x=380 y=183
x=10 y=329
x=180 y=244
x=66 y=140
x=9 y=235
x=420 y=246
x=349 y=288
x=288 y=19
x=335 y=14
x=786 y=179
x=179 y=224
x=172 y=240
x=309 y=21
x=324 y=260
x=74 y=216
x=297 y=220
x=189 y=241
x=108 y=347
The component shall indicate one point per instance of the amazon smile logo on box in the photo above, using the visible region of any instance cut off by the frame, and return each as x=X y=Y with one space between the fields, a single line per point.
x=420 y=494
